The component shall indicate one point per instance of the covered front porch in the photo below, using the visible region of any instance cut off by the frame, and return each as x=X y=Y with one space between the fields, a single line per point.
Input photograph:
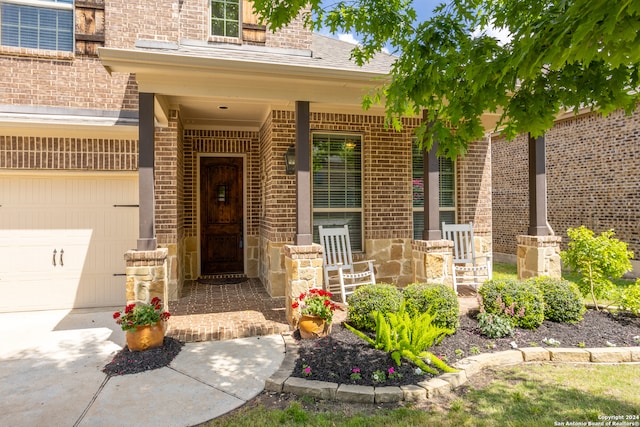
x=228 y=308
x=207 y=110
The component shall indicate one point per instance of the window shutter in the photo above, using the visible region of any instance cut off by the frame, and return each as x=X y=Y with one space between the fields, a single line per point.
x=89 y=26
x=252 y=31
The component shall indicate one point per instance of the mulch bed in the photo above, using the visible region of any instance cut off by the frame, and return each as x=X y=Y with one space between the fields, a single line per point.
x=128 y=362
x=333 y=358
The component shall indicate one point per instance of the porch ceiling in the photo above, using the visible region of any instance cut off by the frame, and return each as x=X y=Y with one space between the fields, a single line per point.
x=215 y=92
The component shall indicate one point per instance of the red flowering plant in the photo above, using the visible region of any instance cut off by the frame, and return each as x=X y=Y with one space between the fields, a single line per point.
x=141 y=314
x=316 y=302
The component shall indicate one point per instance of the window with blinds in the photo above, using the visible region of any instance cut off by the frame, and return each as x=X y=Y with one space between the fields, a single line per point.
x=225 y=18
x=447 y=192
x=37 y=24
x=337 y=184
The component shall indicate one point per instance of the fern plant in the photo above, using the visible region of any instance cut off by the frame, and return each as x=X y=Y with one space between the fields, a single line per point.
x=405 y=336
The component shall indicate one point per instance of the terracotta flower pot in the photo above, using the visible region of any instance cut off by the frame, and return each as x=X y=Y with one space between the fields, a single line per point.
x=145 y=337
x=313 y=327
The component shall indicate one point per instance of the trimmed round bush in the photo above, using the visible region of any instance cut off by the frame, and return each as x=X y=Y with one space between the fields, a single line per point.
x=366 y=299
x=438 y=299
x=518 y=300
x=562 y=299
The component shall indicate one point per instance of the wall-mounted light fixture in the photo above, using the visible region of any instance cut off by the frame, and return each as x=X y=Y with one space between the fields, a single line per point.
x=290 y=160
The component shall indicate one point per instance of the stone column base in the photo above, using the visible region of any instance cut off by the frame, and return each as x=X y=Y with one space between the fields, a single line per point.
x=539 y=256
x=146 y=276
x=432 y=261
x=303 y=270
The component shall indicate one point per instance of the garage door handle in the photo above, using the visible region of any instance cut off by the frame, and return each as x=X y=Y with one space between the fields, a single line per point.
x=54 y=257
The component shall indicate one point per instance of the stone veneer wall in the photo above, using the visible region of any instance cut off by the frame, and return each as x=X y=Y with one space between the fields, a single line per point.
x=146 y=276
x=592 y=180
x=303 y=267
x=539 y=256
x=432 y=261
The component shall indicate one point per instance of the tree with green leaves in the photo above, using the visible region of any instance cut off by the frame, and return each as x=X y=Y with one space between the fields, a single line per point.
x=561 y=55
x=598 y=259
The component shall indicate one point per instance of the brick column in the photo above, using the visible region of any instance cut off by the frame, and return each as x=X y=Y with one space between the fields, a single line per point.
x=432 y=261
x=539 y=256
x=303 y=269
x=146 y=275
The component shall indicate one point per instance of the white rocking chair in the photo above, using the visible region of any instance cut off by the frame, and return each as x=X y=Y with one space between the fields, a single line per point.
x=466 y=268
x=340 y=276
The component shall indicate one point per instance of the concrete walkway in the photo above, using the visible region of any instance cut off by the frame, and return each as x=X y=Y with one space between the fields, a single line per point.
x=50 y=374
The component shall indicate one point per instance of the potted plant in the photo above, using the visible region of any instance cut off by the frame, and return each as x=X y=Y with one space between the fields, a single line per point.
x=316 y=310
x=143 y=324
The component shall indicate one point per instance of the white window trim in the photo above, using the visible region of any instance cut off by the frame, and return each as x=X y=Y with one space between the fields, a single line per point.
x=230 y=38
x=44 y=4
x=41 y=3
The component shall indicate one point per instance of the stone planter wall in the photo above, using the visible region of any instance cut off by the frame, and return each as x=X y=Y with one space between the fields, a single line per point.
x=303 y=270
x=146 y=276
x=539 y=256
x=392 y=260
x=432 y=261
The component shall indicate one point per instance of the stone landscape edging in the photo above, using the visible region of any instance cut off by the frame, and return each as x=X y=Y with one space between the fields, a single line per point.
x=282 y=381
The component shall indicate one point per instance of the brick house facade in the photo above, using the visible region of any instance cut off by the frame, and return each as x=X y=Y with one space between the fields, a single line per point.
x=592 y=180
x=80 y=114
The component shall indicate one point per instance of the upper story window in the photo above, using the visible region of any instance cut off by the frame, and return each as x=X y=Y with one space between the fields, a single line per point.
x=337 y=184
x=225 y=18
x=37 y=24
x=447 y=206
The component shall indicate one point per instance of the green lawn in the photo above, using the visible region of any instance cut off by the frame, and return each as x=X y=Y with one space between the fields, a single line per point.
x=525 y=395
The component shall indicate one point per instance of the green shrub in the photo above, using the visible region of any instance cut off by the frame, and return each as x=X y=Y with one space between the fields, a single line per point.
x=517 y=300
x=366 y=299
x=598 y=259
x=438 y=299
x=495 y=325
x=629 y=298
x=562 y=299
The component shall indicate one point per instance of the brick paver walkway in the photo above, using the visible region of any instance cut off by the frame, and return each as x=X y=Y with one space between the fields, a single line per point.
x=215 y=310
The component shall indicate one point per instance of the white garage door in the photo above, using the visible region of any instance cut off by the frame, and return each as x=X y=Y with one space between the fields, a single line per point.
x=63 y=239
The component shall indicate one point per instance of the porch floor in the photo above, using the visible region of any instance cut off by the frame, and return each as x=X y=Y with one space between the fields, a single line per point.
x=223 y=309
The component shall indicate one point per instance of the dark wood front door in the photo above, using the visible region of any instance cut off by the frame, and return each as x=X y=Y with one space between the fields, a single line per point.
x=221 y=215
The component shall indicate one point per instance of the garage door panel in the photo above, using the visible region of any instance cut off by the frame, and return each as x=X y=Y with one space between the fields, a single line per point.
x=74 y=216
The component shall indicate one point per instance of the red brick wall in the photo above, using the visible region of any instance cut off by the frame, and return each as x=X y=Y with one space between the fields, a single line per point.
x=592 y=179
x=474 y=187
x=279 y=212
x=387 y=195
x=127 y=21
x=63 y=79
x=29 y=152
x=168 y=151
